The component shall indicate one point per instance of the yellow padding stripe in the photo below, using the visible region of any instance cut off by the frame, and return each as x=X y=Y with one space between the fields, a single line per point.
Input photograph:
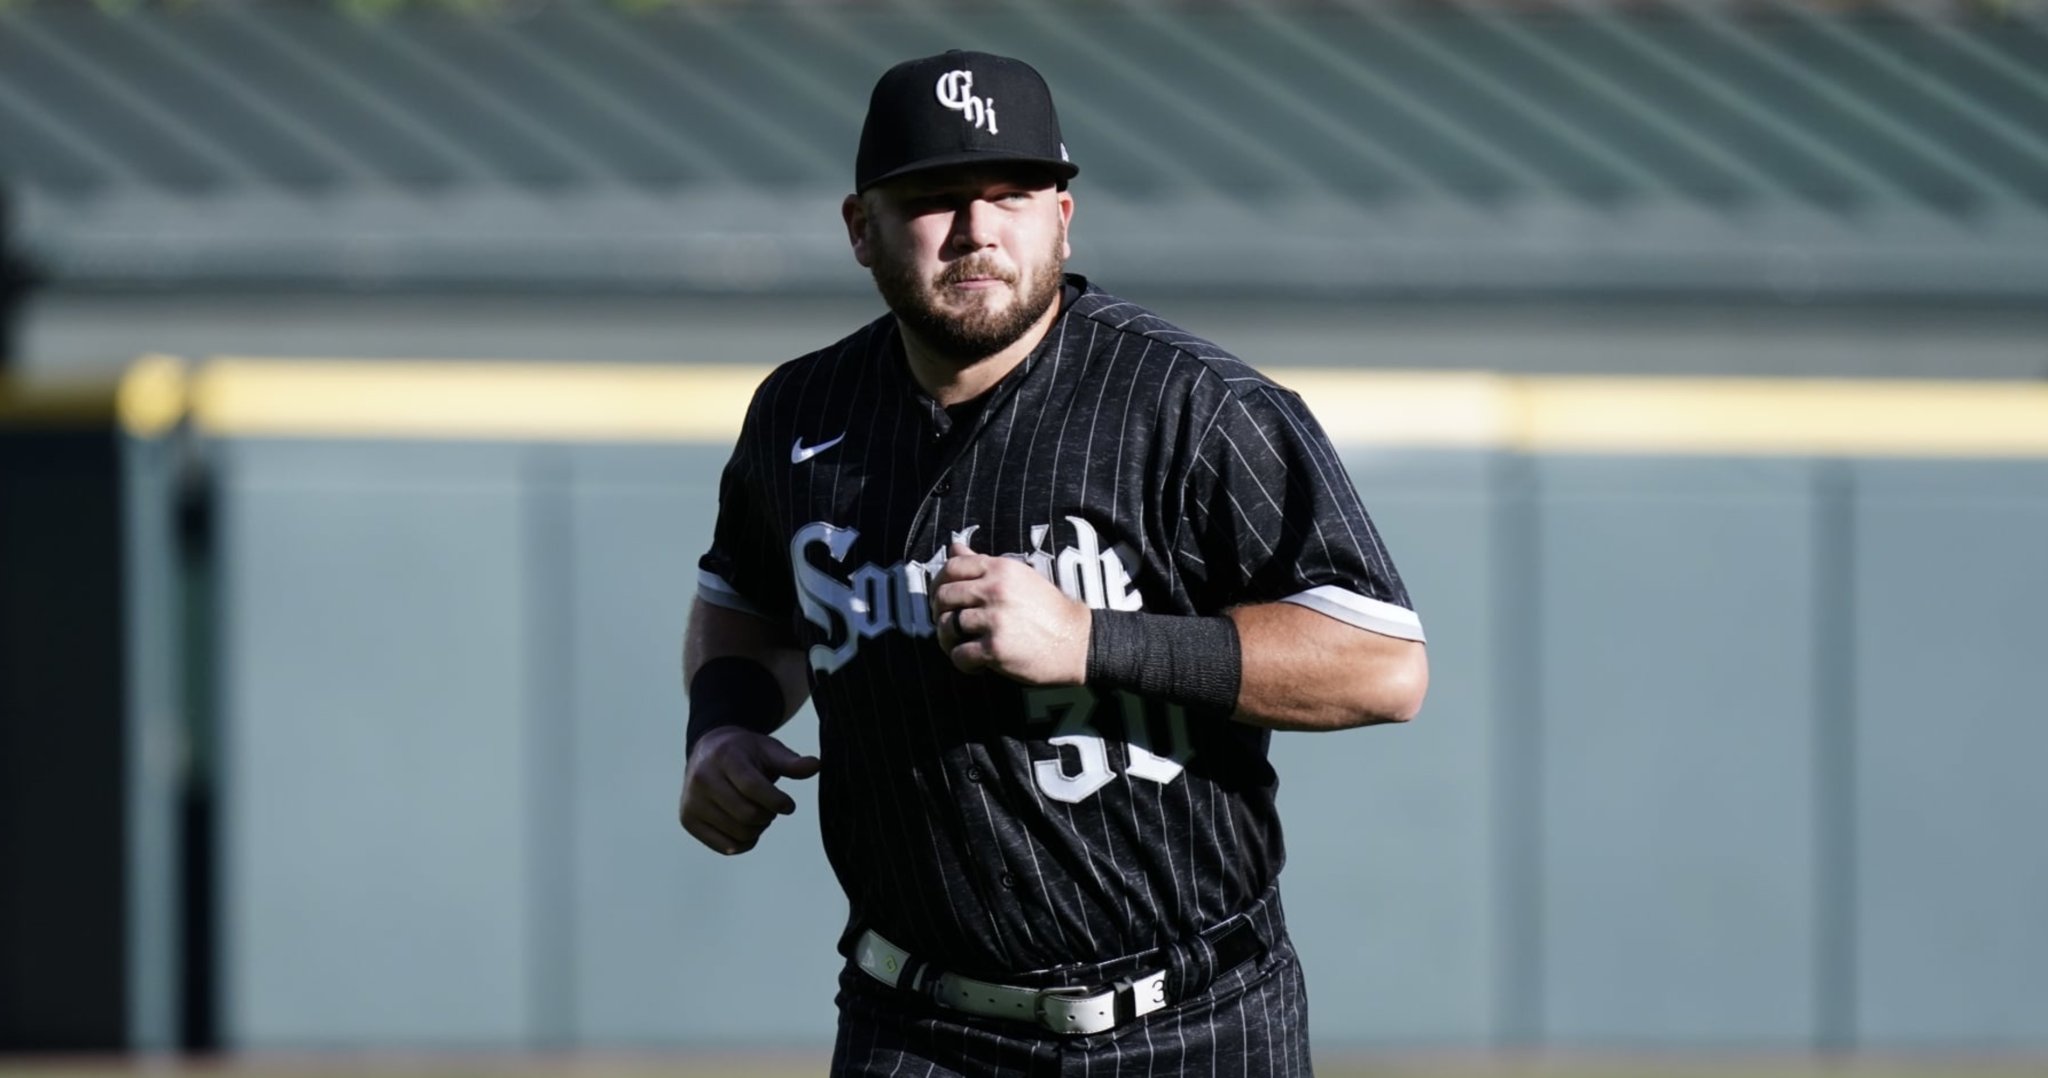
x=1424 y=410
x=151 y=397
x=1704 y=416
x=512 y=401
x=1722 y=416
x=148 y=399
x=37 y=404
x=1441 y=410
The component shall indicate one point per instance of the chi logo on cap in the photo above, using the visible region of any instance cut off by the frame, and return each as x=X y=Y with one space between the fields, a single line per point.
x=956 y=92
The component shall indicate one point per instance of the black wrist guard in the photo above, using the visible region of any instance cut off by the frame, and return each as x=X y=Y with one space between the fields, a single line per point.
x=733 y=691
x=1185 y=660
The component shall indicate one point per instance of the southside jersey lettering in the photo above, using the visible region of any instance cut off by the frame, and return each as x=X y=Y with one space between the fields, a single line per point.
x=983 y=824
x=875 y=600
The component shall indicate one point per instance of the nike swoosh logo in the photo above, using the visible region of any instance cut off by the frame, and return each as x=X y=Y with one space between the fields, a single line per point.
x=799 y=452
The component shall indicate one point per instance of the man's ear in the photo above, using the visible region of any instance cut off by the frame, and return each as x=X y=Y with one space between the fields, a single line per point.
x=1066 y=223
x=855 y=212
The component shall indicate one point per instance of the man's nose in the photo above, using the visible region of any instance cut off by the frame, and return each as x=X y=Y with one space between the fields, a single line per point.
x=974 y=225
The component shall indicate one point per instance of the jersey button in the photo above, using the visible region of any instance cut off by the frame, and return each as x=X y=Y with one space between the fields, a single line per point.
x=1009 y=882
x=944 y=488
x=974 y=773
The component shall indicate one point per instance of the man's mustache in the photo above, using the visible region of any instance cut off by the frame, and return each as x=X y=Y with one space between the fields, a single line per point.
x=959 y=272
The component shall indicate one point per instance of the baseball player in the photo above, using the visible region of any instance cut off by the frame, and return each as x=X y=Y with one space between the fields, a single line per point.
x=1052 y=571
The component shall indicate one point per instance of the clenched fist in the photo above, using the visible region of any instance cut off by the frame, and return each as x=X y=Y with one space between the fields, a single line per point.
x=998 y=614
x=729 y=793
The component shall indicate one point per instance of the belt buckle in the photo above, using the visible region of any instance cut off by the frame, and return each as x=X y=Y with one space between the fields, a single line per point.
x=1148 y=993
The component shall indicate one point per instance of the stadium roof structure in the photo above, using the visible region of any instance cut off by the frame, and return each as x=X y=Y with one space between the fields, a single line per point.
x=1339 y=147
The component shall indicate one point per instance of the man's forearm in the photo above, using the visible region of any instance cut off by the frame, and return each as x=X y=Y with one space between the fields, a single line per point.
x=1277 y=665
x=716 y=632
x=1303 y=670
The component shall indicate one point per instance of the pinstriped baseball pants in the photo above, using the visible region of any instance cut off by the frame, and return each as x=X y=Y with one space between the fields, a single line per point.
x=1252 y=1021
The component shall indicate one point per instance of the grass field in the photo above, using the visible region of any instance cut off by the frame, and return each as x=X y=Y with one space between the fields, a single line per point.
x=803 y=1066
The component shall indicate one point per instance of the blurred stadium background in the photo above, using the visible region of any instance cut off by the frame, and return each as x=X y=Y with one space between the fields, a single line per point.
x=365 y=367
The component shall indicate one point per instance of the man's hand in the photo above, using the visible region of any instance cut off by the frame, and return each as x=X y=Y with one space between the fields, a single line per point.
x=729 y=794
x=999 y=614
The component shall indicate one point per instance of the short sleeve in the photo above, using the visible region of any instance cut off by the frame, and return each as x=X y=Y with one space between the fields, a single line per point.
x=1274 y=517
x=747 y=567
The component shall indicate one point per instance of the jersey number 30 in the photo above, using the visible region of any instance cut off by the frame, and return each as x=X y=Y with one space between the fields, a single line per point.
x=1073 y=706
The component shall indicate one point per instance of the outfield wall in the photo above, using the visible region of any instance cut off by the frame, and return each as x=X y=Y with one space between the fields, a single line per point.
x=1734 y=736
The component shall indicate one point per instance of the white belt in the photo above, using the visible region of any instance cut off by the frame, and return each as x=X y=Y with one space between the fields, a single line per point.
x=1063 y=1010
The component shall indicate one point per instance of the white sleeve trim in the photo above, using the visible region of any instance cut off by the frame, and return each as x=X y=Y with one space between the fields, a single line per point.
x=713 y=589
x=1367 y=613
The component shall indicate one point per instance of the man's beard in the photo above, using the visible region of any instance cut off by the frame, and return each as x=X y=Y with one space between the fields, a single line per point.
x=965 y=337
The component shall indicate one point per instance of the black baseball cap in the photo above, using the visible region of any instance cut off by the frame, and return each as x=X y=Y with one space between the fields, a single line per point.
x=959 y=108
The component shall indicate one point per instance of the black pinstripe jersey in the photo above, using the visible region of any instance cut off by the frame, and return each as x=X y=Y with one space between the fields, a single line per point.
x=988 y=826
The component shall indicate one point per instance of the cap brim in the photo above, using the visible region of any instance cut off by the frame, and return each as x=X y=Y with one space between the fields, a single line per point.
x=1062 y=170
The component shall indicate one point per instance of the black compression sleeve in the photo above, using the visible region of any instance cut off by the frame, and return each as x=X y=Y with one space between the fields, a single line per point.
x=733 y=691
x=1186 y=660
